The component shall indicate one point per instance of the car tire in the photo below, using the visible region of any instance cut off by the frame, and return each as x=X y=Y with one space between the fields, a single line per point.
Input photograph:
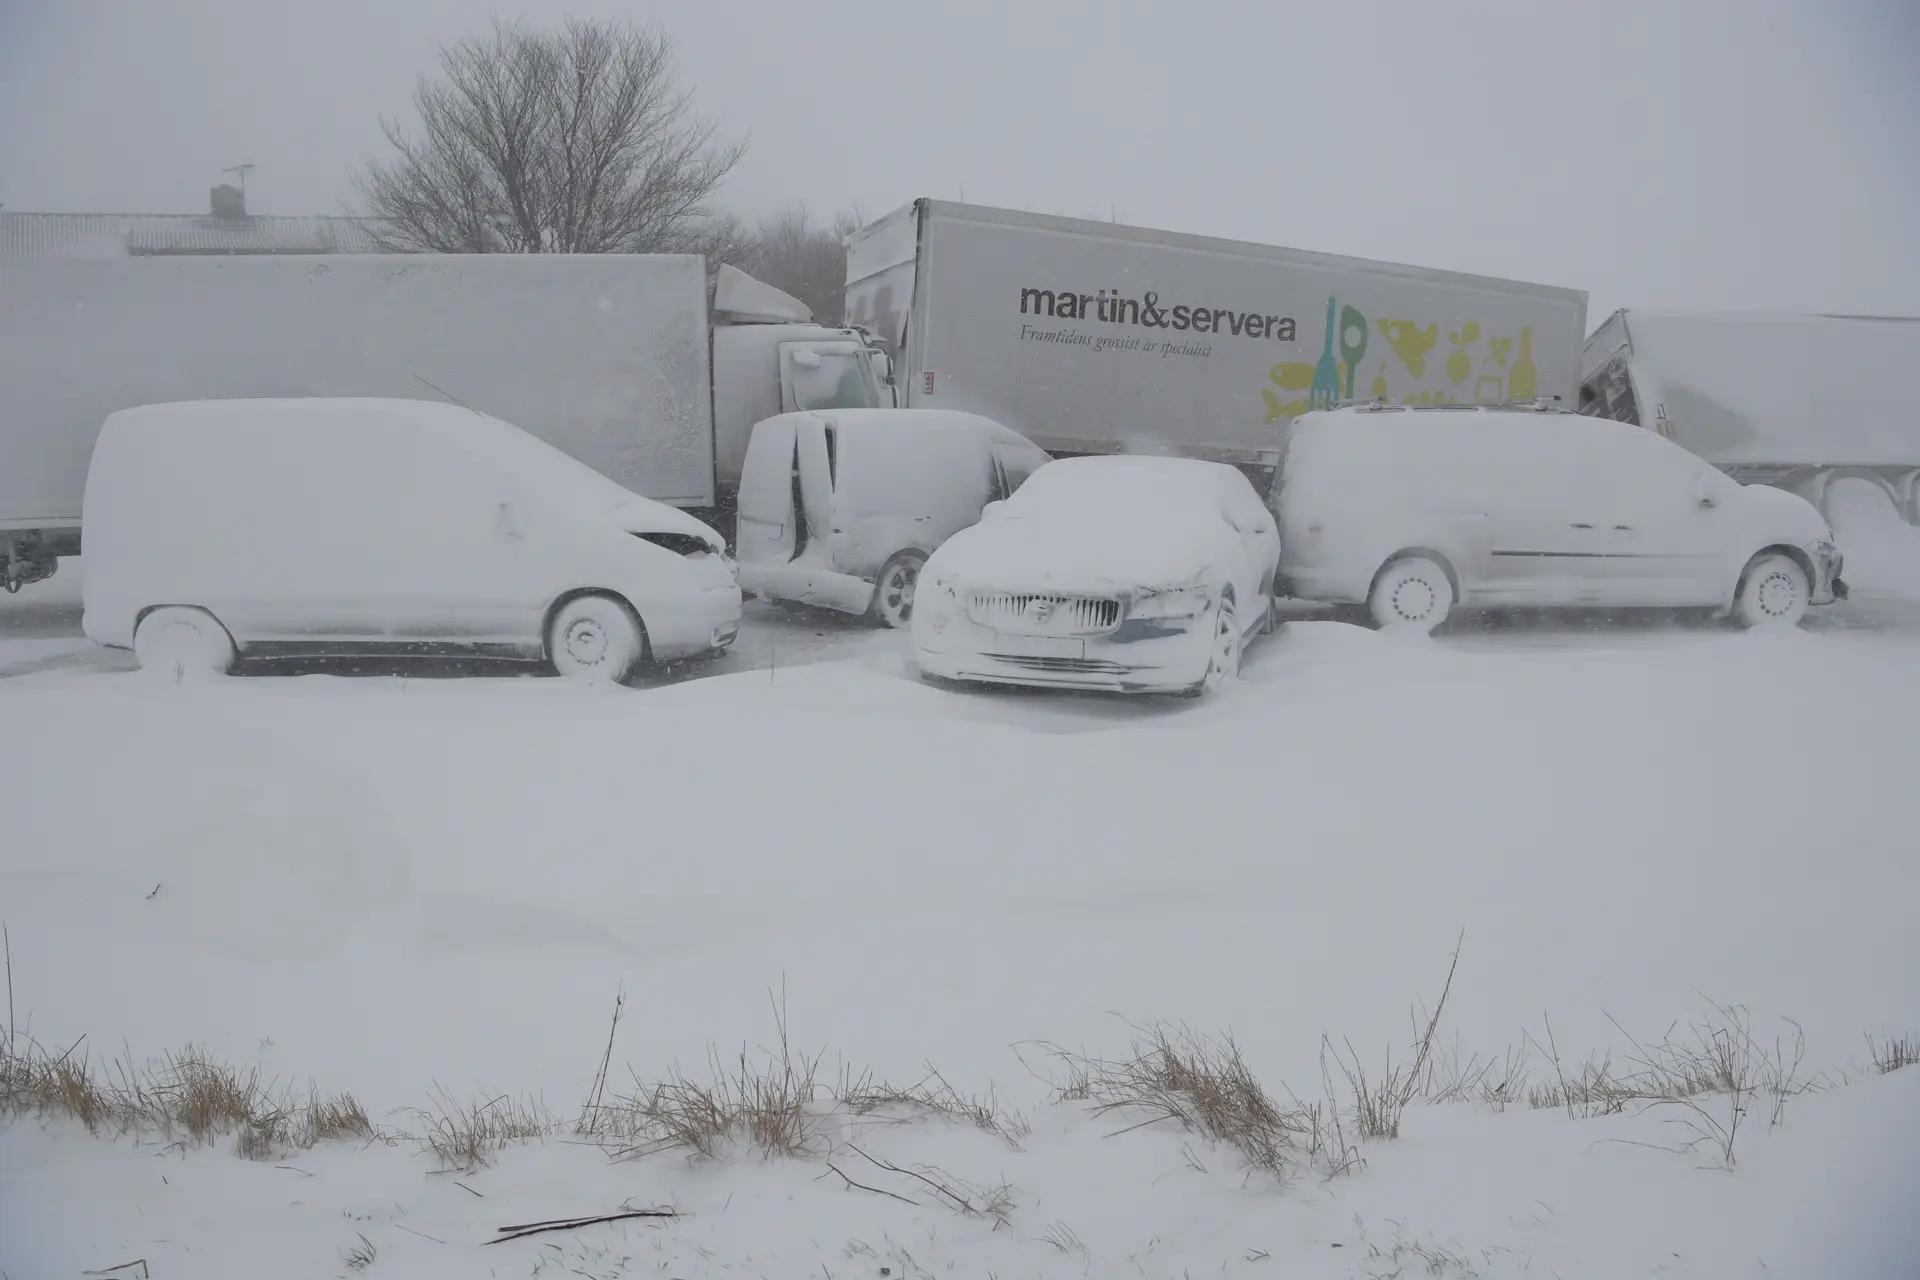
x=1223 y=658
x=184 y=642
x=893 y=589
x=1411 y=593
x=1774 y=592
x=596 y=639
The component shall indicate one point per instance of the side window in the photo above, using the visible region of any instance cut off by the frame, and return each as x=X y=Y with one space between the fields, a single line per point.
x=1013 y=465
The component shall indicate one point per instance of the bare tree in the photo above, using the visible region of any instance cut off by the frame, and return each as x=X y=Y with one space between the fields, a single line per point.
x=567 y=141
x=792 y=253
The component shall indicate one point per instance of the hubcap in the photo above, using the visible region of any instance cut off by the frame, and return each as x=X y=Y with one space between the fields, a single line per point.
x=586 y=642
x=897 y=594
x=1413 y=599
x=1777 y=594
x=1224 y=643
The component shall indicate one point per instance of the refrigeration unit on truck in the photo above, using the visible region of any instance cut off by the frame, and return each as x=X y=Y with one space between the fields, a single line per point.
x=1089 y=337
x=631 y=363
x=1796 y=401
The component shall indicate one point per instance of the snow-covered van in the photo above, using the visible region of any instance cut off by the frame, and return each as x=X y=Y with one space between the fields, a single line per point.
x=840 y=508
x=1797 y=401
x=1090 y=337
x=627 y=362
x=1411 y=511
x=252 y=528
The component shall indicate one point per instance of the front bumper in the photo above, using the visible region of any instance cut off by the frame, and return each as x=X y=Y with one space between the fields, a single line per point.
x=701 y=620
x=1138 y=656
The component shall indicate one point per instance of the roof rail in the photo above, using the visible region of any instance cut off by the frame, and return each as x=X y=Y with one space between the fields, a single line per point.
x=1536 y=404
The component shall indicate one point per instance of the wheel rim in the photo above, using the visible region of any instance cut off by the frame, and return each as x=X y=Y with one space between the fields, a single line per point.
x=896 y=592
x=587 y=642
x=1414 y=599
x=1777 y=594
x=1226 y=644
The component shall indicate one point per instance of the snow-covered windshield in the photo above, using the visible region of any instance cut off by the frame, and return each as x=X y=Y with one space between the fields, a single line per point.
x=831 y=380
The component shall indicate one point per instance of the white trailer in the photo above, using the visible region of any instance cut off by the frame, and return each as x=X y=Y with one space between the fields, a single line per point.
x=1796 y=401
x=620 y=360
x=1089 y=337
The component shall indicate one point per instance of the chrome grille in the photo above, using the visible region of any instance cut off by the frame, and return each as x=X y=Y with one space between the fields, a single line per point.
x=1043 y=615
x=1069 y=666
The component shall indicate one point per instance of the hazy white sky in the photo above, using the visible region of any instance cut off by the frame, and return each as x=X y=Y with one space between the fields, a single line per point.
x=1714 y=153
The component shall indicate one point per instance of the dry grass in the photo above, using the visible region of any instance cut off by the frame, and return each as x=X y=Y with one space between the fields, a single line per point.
x=1893 y=1052
x=777 y=1103
x=465 y=1136
x=933 y=1095
x=1380 y=1101
x=1202 y=1083
x=771 y=1104
x=188 y=1097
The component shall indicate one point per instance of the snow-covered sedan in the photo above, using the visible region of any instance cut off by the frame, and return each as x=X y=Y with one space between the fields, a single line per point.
x=1130 y=574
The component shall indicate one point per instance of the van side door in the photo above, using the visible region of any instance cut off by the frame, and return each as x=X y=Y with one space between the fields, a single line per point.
x=1664 y=545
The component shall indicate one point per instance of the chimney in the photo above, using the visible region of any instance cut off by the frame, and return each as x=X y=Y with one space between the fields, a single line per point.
x=229 y=203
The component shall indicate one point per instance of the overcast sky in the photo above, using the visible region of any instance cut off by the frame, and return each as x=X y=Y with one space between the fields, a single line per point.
x=1711 y=153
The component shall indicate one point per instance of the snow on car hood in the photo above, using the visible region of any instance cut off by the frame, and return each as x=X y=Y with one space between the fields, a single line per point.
x=644 y=515
x=1011 y=551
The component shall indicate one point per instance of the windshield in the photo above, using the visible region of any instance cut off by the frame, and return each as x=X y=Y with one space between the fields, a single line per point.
x=830 y=380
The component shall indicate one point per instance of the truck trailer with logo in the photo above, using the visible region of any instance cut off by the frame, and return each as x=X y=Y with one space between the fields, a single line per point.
x=1092 y=337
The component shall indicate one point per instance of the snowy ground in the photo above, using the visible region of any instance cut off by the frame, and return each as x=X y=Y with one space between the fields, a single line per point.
x=386 y=884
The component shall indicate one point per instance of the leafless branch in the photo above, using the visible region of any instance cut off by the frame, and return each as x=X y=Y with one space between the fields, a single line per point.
x=575 y=140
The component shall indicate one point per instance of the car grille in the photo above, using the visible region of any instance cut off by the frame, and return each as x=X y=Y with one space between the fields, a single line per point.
x=1073 y=666
x=1043 y=615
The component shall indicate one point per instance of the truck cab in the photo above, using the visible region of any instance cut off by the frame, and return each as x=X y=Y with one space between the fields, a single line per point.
x=770 y=357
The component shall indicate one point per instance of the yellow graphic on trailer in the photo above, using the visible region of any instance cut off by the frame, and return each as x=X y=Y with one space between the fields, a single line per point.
x=1480 y=367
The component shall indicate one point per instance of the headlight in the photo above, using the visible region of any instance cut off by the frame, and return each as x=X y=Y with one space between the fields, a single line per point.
x=1185 y=602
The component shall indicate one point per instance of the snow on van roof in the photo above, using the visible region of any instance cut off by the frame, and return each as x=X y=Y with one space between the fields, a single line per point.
x=507 y=447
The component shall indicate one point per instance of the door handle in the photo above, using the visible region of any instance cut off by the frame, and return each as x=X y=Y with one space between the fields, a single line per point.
x=1625 y=528
x=1581 y=524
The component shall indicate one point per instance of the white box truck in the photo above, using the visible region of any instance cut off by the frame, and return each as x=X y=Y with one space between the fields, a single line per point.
x=630 y=363
x=1797 y=401
x=1090 y=337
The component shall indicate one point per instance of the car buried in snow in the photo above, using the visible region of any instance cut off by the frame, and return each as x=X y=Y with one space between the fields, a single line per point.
x=1119 y=573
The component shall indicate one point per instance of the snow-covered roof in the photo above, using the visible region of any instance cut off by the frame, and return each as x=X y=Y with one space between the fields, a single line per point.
x=60 y=235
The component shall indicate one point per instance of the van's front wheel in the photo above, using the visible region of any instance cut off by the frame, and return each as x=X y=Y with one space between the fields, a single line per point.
x=596 y=639
x=1774 y=592
x=893 y=590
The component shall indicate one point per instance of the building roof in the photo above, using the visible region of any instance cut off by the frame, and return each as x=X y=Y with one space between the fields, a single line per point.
x=49 y=235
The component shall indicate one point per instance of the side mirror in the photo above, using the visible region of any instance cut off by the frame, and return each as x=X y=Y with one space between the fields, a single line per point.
x=1704 y=496
x=992 y=507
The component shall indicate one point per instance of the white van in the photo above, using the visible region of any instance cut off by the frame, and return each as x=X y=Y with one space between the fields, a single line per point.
x=840 y=508
x=1412 y=510
x=225 y=528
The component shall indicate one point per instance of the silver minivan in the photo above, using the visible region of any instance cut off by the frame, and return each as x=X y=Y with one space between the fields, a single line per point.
x=1412 y=511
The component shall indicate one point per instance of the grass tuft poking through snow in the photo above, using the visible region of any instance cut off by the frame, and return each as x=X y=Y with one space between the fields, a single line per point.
x=186 y=1096
x=464 y=1136
x=1893 y=1052
x=1200 y=1082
